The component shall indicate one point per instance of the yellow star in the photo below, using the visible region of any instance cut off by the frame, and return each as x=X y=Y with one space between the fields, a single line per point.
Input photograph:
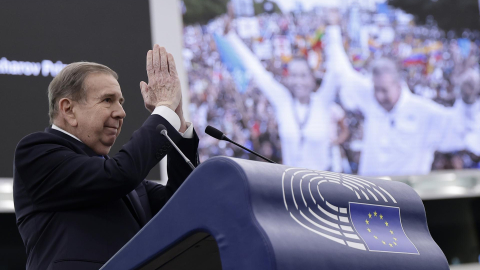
x=386 y=223
x=390 y=245
x=381 y=217
x=394 y=243
x=369 y=215
x=375 y=237
x=375 y=213
x=366 y=221
x=394 y=238
x=384 y=242
x=368 y=229
x=391 y=231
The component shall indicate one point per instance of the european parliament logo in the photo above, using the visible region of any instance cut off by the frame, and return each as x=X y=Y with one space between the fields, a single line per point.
x=368 y=226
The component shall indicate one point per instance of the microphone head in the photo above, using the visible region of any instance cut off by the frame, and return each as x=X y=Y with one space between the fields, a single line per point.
x=215 y=133
x=161 y=128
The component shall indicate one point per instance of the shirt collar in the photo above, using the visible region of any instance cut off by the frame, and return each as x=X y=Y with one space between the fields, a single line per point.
x=61 y=130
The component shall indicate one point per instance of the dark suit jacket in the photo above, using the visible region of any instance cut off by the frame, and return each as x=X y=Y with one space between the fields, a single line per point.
x=75 y=209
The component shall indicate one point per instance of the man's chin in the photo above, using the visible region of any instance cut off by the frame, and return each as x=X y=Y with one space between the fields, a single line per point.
x=386 y=106
x=108 y=143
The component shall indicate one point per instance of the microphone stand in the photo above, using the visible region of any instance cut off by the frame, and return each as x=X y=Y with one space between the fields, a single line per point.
x=164 y=133
x=246 y=149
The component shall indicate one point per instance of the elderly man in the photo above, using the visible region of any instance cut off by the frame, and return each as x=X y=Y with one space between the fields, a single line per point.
x=402 y=131
x=467 y=106
x=76 y=206
x=467 y=113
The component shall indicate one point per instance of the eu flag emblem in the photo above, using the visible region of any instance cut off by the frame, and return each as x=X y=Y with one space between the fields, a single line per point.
x=381 y=228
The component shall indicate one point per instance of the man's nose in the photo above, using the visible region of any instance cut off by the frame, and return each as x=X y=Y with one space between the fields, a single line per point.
x=119 y=112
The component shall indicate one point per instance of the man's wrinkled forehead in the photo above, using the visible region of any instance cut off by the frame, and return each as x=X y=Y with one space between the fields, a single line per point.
x=385 y=79
x=98 y=84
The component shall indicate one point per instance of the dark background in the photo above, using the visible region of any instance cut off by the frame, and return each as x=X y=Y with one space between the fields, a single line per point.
x=115 y=33
x=455 y=225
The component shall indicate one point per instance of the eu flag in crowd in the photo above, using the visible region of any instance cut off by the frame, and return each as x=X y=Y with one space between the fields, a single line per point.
x=381 y=228
x=233 y=63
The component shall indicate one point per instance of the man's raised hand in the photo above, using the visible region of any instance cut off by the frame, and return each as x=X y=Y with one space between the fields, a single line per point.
x=163 y=88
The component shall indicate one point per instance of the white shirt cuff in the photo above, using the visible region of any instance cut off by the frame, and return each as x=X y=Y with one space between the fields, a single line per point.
x=188 y=134
x=174 y=120
x=169 y=115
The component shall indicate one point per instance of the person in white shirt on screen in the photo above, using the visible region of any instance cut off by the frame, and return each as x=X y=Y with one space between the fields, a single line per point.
x=402 y=131
x=467 y=111
x=467 y=106
x=303 y=112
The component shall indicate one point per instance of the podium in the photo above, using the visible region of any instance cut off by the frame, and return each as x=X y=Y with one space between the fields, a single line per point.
x=240 y=214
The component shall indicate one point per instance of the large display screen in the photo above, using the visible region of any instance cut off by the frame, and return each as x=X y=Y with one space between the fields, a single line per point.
x=39 y=37
x=346 y=86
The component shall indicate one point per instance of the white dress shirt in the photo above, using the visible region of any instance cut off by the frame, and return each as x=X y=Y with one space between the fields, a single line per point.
x=163 y=111
x=467 y=123
x=402 y=141
x=467 y=115
x=306 y=145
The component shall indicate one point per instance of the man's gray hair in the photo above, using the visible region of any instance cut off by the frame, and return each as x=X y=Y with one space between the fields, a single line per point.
x=69 y=83
x=383 y=66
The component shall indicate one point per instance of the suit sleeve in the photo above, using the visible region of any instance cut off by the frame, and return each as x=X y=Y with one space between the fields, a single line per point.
x=56 y=178
x=178 y=170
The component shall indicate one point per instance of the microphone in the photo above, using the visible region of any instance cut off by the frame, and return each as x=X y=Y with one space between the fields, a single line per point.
x=163 y=130
x=217 y=134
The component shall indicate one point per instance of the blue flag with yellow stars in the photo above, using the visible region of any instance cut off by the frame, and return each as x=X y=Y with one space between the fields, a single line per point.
x=381 y=228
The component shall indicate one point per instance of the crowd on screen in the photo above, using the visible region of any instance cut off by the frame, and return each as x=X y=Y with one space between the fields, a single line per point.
x=434 y=64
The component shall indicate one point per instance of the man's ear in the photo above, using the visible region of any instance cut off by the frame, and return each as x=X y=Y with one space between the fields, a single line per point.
x=65 y=108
